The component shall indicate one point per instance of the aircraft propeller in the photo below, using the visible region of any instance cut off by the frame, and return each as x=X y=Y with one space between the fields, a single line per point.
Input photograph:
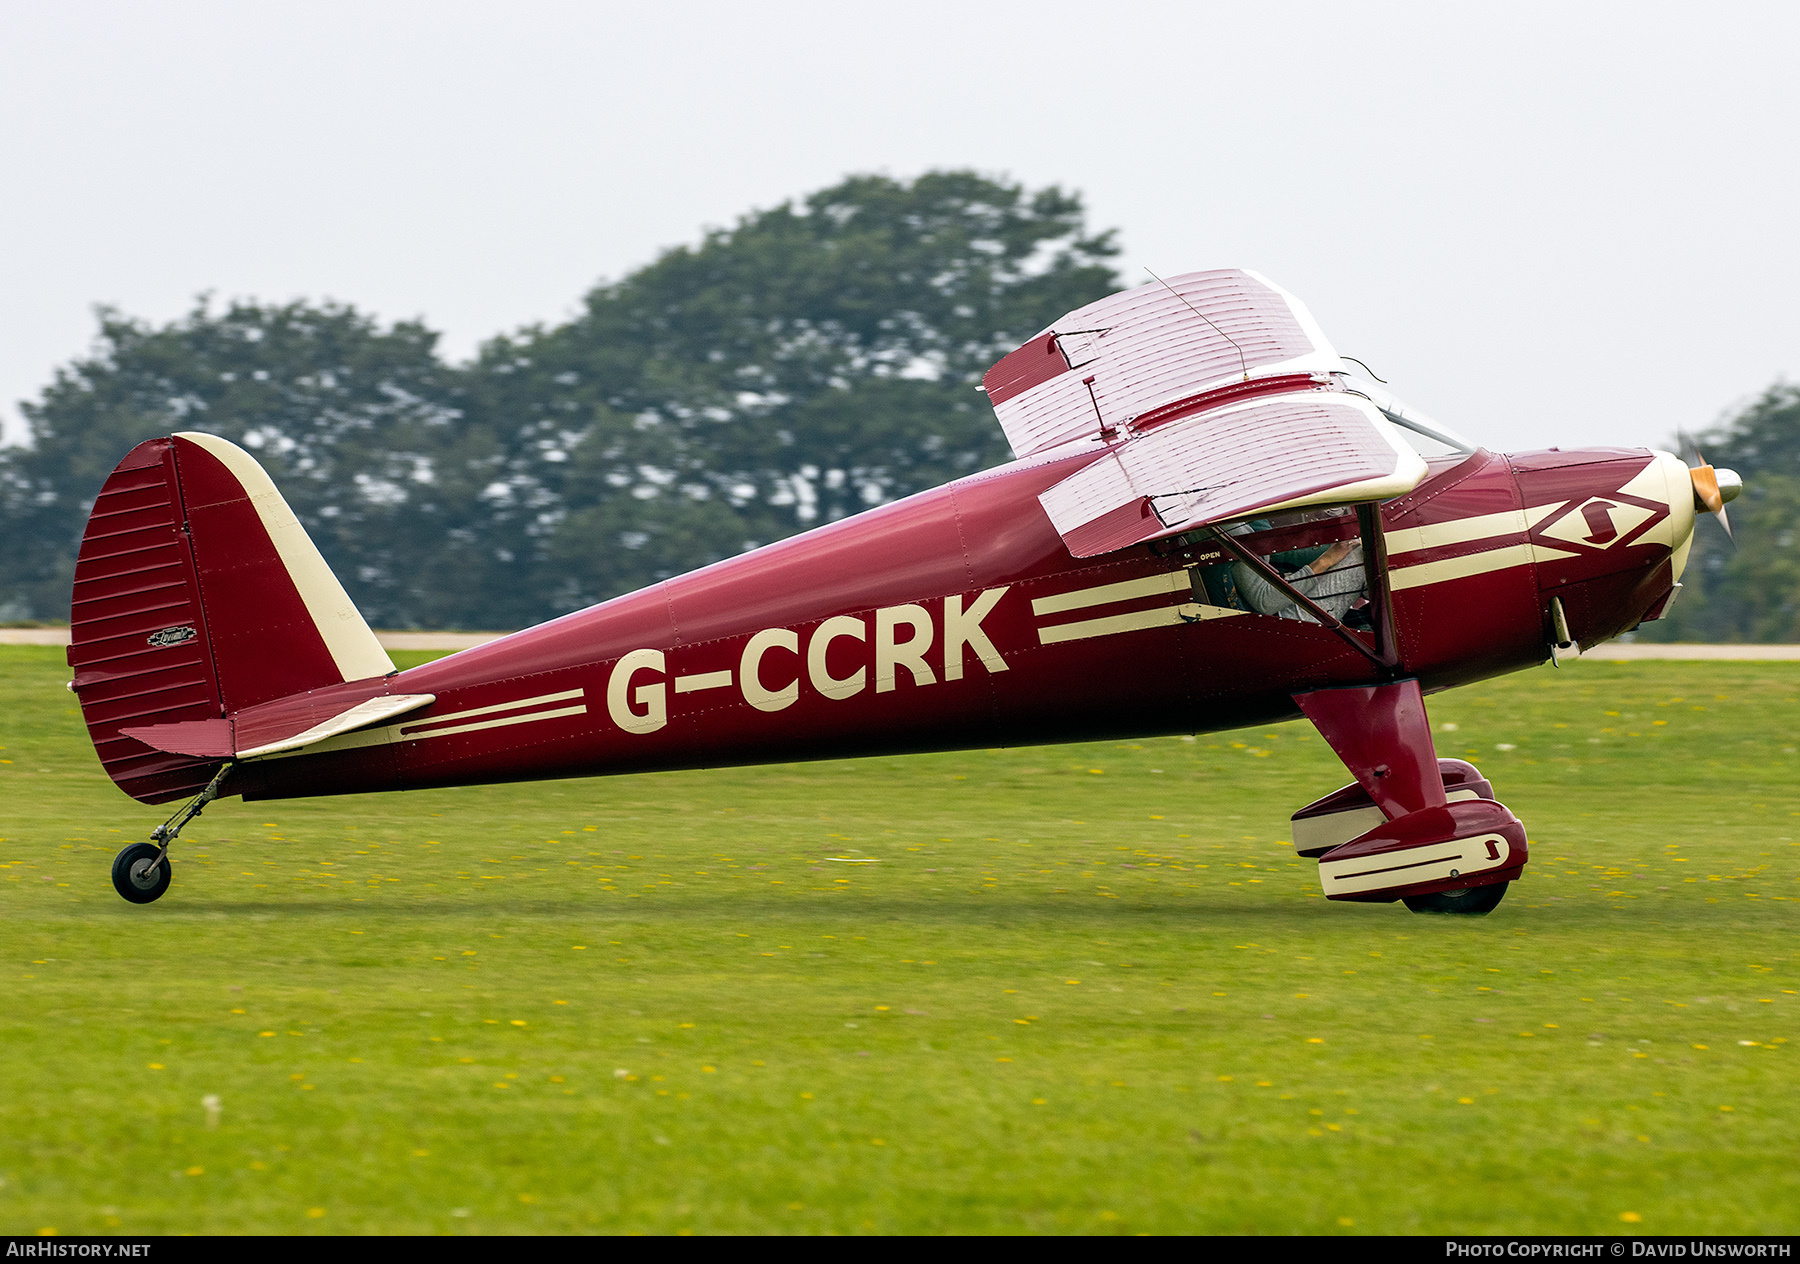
x=1714 y=489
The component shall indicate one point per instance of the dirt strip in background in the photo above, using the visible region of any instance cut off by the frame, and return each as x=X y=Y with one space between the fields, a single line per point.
x=1614 y=652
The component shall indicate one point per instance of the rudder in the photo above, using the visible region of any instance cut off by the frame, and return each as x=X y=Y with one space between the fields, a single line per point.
x=198 y=594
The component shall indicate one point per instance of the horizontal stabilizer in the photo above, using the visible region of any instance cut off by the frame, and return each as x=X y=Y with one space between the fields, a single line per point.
x=372 y=711
x=203 y=739
x=1273 y=453
x=283 y=725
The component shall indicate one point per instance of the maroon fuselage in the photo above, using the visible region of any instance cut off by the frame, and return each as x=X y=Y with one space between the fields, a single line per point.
x=958 y=619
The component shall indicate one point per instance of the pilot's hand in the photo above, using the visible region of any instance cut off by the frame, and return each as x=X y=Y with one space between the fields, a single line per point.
x=1331 y=557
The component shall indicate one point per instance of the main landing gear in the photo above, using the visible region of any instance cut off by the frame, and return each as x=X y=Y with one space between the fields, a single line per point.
x=142 y=872
x=1471 y=900
x=1411 y=827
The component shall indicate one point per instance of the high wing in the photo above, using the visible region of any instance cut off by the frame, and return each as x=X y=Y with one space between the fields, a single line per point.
x=1210 y=396
x=1278 y=452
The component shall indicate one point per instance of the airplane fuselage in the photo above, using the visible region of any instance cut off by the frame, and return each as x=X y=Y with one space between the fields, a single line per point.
x=958 y=619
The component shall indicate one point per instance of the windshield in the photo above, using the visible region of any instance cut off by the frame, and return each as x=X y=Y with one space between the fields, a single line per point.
x=1429 y=438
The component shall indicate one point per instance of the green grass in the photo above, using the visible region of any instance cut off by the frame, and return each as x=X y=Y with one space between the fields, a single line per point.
x=1085 y=989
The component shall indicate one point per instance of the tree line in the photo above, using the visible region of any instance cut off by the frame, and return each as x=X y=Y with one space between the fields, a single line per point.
x=1745 y=587
x=806 y=363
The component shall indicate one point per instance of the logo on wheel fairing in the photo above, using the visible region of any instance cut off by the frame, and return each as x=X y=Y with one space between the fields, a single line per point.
x=170 y=636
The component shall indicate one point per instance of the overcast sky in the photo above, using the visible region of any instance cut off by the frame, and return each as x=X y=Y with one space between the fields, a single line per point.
x=1545 y=224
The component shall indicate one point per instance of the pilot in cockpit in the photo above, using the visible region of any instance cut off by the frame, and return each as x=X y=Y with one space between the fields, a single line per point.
x=1334 y=579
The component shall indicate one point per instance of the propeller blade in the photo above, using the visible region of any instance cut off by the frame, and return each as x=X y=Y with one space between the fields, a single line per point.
x=1712 y=489
x=1706 y=488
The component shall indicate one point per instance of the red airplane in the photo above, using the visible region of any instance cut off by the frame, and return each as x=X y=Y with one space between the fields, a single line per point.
x=1212 y=522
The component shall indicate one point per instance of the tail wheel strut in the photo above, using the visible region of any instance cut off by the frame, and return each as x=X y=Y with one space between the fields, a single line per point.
x=141 y=872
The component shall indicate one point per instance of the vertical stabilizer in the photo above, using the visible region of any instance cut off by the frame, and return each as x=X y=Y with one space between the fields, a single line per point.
x=198 y=594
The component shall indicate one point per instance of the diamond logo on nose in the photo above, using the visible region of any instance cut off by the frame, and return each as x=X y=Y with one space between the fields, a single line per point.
x=1601 y=522
x=1599 y=519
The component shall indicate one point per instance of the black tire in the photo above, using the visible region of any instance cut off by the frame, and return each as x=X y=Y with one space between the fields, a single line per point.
x=130 y=879
x=1471 y=901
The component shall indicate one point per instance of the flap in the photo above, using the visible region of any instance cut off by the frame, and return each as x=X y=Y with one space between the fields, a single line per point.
x=1142 y=350
x=1268 y=454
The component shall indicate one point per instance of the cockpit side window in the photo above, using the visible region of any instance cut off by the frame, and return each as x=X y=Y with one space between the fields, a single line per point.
x=1318 y=552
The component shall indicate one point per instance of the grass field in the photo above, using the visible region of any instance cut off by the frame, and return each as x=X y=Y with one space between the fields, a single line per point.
x=1083 y=989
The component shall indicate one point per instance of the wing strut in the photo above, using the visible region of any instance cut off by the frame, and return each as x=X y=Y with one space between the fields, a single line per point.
x=1375 y=567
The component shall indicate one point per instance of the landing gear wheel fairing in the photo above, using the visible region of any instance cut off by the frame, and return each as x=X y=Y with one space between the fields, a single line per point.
x=1474 y=901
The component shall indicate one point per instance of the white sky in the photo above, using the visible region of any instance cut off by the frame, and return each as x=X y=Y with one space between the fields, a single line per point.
x=1544 y=223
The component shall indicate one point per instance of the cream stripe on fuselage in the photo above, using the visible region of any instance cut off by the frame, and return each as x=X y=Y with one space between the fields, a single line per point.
x=1402 y=578
x=498 y=706
x=1435 y=535
x=1105 y=594
x=1136 y=621
x=418 y=736
x=1511 y=522
x=415 y=731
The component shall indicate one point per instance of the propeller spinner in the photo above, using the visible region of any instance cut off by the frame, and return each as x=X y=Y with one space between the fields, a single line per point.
x=1713 y=489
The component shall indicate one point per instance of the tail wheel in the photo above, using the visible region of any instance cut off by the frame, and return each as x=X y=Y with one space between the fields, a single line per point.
x=1473 y=901
x=138 y=875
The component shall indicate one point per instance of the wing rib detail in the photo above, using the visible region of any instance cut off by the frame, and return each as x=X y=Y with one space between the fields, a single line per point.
x=1206 y=397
